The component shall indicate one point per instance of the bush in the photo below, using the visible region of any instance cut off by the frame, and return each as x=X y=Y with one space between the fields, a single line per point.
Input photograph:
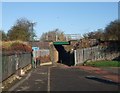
x=20 y=47
x=15 y=46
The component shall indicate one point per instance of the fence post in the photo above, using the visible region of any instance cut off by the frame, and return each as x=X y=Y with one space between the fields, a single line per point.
x=75 y=55
x=83 y=54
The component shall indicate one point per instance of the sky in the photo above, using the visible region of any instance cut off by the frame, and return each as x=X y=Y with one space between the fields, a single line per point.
x=69 y=17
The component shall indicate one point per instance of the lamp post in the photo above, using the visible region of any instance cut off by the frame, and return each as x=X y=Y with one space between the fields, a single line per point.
x=32 y=29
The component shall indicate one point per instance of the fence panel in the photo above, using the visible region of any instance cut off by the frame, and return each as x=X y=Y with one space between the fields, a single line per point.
x=24 y=59
x=11 y=63
x=94 y=54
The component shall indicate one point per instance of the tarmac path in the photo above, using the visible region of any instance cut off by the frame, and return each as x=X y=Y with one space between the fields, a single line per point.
x=63 y=78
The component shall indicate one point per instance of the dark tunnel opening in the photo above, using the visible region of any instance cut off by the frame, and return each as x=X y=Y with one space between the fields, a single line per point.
x=64 y=57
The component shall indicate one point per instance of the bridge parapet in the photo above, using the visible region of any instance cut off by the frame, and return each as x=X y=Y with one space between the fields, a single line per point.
x=72 y=37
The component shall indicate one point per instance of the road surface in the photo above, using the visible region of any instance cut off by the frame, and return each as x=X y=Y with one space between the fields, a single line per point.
x=60 y=78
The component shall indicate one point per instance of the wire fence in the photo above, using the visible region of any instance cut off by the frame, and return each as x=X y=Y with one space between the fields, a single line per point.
x=43 y=55
x=94 y=54
x=41 y=52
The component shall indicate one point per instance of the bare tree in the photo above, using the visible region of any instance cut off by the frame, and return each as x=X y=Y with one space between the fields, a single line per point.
x=22 y=30
x=55 y=35
x=112 y=30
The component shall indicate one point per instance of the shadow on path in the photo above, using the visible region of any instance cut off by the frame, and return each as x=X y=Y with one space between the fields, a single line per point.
x=102 y=80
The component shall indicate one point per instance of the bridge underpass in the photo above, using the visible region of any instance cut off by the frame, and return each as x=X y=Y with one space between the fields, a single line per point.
x=64 y=57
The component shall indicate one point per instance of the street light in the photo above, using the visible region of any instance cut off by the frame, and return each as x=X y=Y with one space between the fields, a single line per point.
x=32 y=35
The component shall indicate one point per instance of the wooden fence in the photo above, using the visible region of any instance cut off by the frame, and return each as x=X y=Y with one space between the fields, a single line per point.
x=94 y=54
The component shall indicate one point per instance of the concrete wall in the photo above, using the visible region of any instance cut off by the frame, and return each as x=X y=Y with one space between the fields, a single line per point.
x=55 y=55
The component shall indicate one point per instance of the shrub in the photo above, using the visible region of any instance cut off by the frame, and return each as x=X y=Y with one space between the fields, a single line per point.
x=15 y=46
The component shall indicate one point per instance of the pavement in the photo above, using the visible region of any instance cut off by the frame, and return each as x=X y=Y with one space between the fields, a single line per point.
x=36 y=80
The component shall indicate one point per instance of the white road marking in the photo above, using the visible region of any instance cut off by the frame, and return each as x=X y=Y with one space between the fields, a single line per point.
x=49 y=79
x=48 y=63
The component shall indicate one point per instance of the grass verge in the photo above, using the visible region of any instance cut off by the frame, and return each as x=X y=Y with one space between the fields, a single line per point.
x=104 y=64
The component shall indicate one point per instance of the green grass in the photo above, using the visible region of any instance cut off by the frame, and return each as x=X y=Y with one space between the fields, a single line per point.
x=104 y=64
